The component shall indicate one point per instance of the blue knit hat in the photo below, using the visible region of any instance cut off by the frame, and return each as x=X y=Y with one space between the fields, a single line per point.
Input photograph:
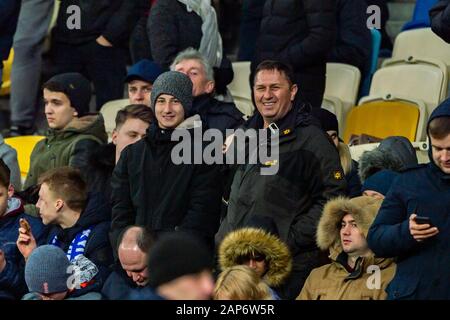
x=46 y=270
x=145 y=70
x=380 y=182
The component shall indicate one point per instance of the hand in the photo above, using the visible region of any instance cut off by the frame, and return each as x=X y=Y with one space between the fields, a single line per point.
x=103 y=42
x=25 y=243
x=421 y=232
x=2 y=261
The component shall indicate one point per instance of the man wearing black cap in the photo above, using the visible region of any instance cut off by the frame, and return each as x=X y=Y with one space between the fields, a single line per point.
x=413 y=221
x=72 y=134
x=149 y=188
x=140 y=80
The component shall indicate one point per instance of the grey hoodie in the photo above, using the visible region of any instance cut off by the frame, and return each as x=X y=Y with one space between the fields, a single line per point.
x=9 y=156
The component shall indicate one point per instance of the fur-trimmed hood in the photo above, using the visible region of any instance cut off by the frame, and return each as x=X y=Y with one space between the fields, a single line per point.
x=247 y=241
x=394 y=153
x=363 y=209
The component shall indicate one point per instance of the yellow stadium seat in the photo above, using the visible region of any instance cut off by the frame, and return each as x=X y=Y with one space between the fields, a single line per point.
x=384 y=118
x=24 y=145
x=6 y=78
x=109 y=111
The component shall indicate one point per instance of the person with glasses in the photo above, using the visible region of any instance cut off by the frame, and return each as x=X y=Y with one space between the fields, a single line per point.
x=140 y=80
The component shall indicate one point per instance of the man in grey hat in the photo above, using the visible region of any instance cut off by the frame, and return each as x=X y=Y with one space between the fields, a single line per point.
x=149 y=189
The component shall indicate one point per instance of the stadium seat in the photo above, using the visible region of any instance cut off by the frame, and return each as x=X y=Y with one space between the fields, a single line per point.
x=24 y=145
x=420 y=18
x=240 y=87
x=6 y=78
x=342 y=82
x=389 y=116
x=109 y=111
x=415 y=78
x=374 y=53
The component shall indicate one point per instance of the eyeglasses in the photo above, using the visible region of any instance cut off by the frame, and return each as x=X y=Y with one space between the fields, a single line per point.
x=256 y=257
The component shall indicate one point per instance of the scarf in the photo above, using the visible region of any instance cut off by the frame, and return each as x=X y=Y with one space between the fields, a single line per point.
x=211 y=43
x=77 y=246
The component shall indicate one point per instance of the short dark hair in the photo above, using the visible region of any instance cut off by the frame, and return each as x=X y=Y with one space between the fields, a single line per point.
x=54 y=86
x=67 y=183
x=5 y=174
x=439 y=128
x=134 y=111
x=145 y=238
x=281 y=67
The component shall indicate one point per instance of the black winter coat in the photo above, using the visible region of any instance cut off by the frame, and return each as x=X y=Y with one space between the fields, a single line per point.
x=300 y=33
x=113 y=19
x=9 y=14
x=217 y=114
x=148 y=189
x=440 y=19
x=171 y=29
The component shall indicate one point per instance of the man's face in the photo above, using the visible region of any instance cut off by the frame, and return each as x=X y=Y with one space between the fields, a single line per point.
x=48 y=205
x=257 y=263
x=134 y=262
x=58 y=109
x=334 y=136
x=441 y=153
x=139 y=92
x=196 y=72
x=193 y=287
x=131 y=131
x=373 y=194
x=273 y=95
x=5 y=193
x=352 y=240
x=168 y=111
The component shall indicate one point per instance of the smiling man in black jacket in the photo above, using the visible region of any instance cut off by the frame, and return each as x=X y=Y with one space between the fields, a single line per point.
x=149 y=189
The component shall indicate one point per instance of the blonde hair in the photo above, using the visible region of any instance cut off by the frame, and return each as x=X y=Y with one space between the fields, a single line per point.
x=345 y=156
x=241 y=283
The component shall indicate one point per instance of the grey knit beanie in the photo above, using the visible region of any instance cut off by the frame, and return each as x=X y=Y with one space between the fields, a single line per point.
x=46 y=270
x=176 y=84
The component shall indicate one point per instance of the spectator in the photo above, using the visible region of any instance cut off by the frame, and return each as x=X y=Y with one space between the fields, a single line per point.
x=440 y=19
x=9 y=156
x=241 y=283
x=395 y=153
x=12 y=283
x=251 y=15
x=300 y=33
x=72 y=134
x=79 y=226
x=180 y=269
x=98 y=46
x=342 y=230
x=308 y=173
x=131 y=273
x=329 y=124
x=262 y=251
x=175 y=25
x=48 y=273
x=139 y=42
x=9 y=13
x=167 y=197
x=422 y=250
x=379 y=184
x=34 y=21
x=132 y=123
x=140 y=80
x=214 y=113
x=353 y=41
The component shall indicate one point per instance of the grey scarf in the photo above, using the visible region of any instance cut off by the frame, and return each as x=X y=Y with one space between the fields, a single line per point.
x=211 y=43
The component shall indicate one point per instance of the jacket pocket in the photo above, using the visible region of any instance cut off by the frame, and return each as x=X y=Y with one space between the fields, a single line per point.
x=402 y=288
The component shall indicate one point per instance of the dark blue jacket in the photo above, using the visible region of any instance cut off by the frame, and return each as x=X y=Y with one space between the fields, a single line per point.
x=119 y=286
x=97 y=215
x=12 y=282
x=9 y=14
x=353 y=181
x=146 y=293
x=423 y=270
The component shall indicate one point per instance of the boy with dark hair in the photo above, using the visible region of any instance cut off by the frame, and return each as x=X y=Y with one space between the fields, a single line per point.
x=80 y=224
x=12 y=285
